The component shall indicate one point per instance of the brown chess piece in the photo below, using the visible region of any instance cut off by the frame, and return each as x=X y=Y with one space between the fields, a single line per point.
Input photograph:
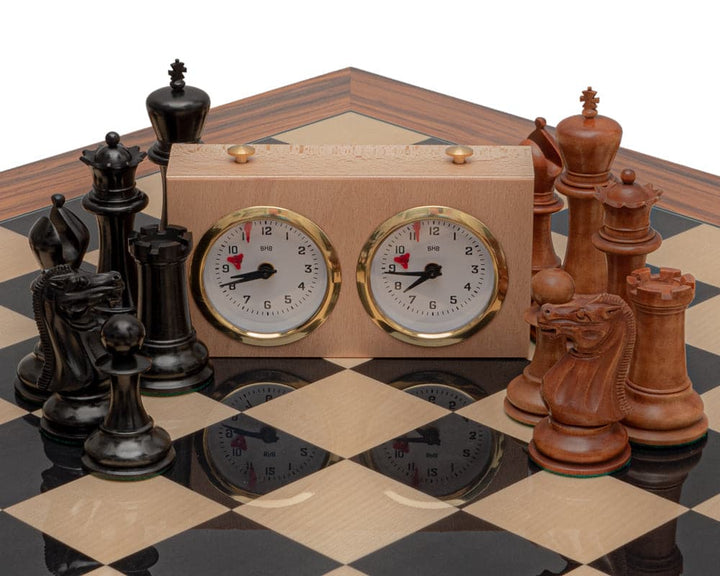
x=547 y=163
x=626 y=236
x=665 y=410
x=585 y=390
x=523 y=400
x=588 y=144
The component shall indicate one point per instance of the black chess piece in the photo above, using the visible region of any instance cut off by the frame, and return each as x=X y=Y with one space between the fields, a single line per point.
x=115 y=200
x=59 y=238
x=127 y=445
x=180 y=362
x=66 y=303
x=177 y=114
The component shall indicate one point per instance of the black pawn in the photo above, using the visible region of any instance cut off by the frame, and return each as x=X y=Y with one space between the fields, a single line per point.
x=115 y=200
x=127 y=446
x=180 y=362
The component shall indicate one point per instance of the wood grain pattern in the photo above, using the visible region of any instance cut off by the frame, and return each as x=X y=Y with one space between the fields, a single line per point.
x=687 y=191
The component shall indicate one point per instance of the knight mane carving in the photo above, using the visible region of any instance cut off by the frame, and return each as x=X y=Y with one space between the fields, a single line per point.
x=64 y=304
x=587 y=386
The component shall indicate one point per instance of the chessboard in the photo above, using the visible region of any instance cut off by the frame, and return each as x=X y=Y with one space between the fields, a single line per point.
x=356 y=466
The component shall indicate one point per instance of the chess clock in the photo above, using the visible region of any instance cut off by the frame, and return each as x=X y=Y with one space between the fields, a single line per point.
x=265 y=275
x=467 y=280
x=432 y=276
x=453 y=458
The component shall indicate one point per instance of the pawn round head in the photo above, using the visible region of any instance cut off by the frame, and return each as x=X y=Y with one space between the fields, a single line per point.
x=552 y=286
x=123 y=334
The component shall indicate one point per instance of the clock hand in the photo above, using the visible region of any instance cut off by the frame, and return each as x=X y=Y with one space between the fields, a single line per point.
x=431 y=271
x=266 y=434
x=264 y=271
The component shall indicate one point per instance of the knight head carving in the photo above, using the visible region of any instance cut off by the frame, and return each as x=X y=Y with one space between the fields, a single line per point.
x=587 y=321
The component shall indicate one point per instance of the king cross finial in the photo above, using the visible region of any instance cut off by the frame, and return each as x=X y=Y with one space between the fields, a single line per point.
x=176 y=75
x=590 y=103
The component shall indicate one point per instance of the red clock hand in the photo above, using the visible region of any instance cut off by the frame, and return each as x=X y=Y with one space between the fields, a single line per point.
x=236 y=260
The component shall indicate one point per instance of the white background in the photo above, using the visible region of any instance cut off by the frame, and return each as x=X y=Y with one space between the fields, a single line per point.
x=73 y=71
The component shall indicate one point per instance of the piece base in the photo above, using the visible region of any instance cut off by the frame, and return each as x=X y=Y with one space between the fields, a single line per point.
x=177 y=386
x=521 y=416
x=579 y=470
x=677 y=437
x=129 y=474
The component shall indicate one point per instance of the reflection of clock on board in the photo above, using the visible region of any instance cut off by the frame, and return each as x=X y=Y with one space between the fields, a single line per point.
x=247 y=458
x=435 y=255
x=452 y=458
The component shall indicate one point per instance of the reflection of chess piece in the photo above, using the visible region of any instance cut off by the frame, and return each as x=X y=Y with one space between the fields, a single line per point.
x=180 y=362
x=662 y=472
x=626 y=236
x=665 y=410
x=584 y=391
x=127 y=445
x=588 y=144
x=115 y=200
x=60 y=238
x=523 y=401
x=548 y=165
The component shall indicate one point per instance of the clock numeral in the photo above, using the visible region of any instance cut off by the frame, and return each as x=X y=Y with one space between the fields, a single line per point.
x=270 y=471
x=412 y=299
x=398 y=285
x=468 y=250
x=303 y=451
x=266 y=230
x=467 y=287
x=237 y=452
x=301 y=250
x=392 y=268
x=453 y=299
x=288 y=299
x=432 y=305
x=432 y=472
x=472 y=435
x=226 y=268
x=267 y=305
x=301 y=286
x=232 y=249
x=434 y=230
x=399 y=249
x=399 y=454
x=308 y=268
x=466 y=453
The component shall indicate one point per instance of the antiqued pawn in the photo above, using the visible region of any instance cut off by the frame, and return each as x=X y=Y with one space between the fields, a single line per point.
x=588 y=143
x=547 y=164
x=665 y=409
x=523 y=400
x=127 y=445
x=626 y=236
x=585 y=390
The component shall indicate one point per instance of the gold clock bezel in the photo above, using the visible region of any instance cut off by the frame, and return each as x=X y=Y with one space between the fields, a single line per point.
x=305 y=225
x=397 y=330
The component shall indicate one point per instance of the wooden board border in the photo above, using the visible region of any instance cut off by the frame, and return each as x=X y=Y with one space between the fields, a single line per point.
x=687 y=191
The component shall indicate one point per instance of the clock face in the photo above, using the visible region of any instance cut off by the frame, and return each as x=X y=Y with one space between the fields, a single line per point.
x=431 y=276
x=452 y=458
x=250 y=458
x=265 y=275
